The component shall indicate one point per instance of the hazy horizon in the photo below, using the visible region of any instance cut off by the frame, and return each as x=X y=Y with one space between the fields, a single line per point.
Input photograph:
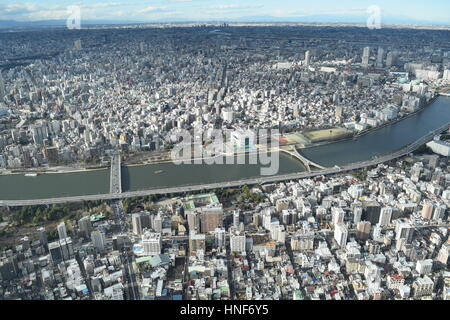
x=138 y=11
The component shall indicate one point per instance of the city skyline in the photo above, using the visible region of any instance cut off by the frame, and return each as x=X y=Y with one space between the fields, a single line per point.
x=350 y=11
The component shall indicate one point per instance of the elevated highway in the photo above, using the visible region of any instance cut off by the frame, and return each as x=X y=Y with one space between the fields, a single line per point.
x=253 y=181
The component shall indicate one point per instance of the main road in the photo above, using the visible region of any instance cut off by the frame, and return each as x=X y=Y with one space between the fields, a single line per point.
x=253 y=181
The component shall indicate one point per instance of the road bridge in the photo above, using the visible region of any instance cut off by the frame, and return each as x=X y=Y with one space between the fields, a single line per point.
x=292 y=150
x=115 y=180
x=239 y=183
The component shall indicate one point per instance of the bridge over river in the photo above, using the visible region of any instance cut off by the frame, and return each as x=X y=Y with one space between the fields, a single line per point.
x=115 y=162
x=379 y=146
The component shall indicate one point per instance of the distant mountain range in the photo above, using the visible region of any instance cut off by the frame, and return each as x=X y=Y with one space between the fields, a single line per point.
x=339 y=19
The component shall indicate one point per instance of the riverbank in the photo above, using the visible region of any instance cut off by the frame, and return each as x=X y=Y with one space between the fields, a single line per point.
x=371 y=130
x=42 y=171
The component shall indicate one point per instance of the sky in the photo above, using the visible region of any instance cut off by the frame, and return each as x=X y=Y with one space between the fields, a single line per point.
x=437 y=11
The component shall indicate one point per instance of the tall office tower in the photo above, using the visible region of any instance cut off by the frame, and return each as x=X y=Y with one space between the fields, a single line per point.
x=55 y=252
x=357 y=213
x=66 y=248
x=2 y=87
x=427 y=211
x=380 y=57
x=338 y=215
x=220 y=237
x=42 y=236
x=366 y=57
x=62 y=231
x=157 y=223
x=237 y=242
x=363 y=230
x=77 y=45
x=385 y=216
x=136 y=222
x=236 y=216
x=307 y=61
x=371 y=212
x=341 y=234
x=85 y=226
x=142 y=47
x=151 y=242
x=391 y=59
x=98 y=240
x=146 y=220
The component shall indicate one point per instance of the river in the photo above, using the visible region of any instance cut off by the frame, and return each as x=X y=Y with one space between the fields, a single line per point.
x=134 y=178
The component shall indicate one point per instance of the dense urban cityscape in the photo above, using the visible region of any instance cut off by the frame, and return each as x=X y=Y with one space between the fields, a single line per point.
x=92 y=206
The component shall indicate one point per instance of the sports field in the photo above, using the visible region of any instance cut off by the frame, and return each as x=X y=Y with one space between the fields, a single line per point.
x=327 y=134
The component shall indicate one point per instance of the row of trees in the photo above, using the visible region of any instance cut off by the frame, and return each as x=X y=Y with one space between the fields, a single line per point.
x=131 y=203
x=40 y=214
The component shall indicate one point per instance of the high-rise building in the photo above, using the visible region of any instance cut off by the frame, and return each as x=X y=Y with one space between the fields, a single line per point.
x=366 y=57
x=338 y=215
x=341 y=234
x=85 y=226
x=439 y=212
x=2 y=87
x=391 y=59
x=157 y=223
x=142 y=47
x=371 y=212
x=404 y=231
x=363 y=230
x=236 y=217
x=193 y=219
x=357 y=212
x=427 y=210
x=424 y=267
x=136 y=222
x=220 y=237
x=66 y=248
x=39 y=133
x=98 y=240
x=62 y=231
x=307 y=61
x=380 y=57
x=385 y=216
x=55 y=252
x=237 y=241
x=151 y=242
x=77 y=45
